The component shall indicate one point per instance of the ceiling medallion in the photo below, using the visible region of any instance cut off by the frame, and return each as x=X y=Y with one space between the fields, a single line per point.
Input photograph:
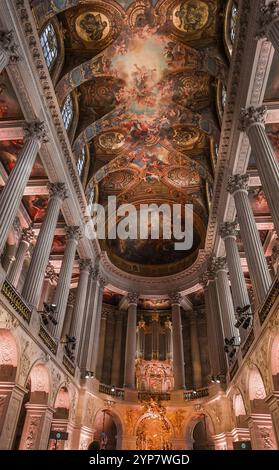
x=191 y=16
x=111 y=140
x=92 y=26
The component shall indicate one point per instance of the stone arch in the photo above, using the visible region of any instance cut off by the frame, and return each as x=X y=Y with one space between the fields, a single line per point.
x=39 y=382
x=8 y=356
x=191 y=425
x=116 y=421
x=62 y=403
x=256 y=390
x=273 y=362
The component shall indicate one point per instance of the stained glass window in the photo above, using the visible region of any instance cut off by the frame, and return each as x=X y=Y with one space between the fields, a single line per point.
x=67 y=112
x=81 y=161
x=224 y=97
x=233 y=22
x=49 y=45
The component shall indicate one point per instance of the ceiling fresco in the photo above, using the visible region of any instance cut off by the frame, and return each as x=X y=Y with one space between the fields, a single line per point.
x=145 y=73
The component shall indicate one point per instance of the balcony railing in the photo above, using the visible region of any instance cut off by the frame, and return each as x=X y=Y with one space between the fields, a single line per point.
x=248 y=342
x=145 y=396
x=69 y=365
x=16 y=301
x=112 y=391
x=269 y=301
x=48 y=340
x=194 y=394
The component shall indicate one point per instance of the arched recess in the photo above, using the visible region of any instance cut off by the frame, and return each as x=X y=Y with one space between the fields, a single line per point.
x=35 y=416
x=199 y=432
x=239 y=409
x=108 y=429
x=60 y=421
x=274 y=362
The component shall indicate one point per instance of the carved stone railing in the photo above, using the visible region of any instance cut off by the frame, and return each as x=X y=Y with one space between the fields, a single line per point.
x=48 y=340
x=269 y=301
x=194 y=394
x=16 y=301
x=233 y=370
x=112 y=391
x=248 y=342
x=145 y=396
x=69 y=365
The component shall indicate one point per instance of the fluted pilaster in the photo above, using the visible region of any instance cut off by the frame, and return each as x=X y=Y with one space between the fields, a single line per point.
x=141 y=339
x=131 y=341
x=258 y=269
x=253 y=123
x=178 y=350
x=116 y=356
x=96 y=332
x=195 y=351
x=24 y=244
x=35 y=276
x=73 y=235
x=12 y=192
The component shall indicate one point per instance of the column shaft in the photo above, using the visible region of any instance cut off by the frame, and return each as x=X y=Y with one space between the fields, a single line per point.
x=96 y=331
x=195 y=352
x=226 y=305
x=116 y=357
x=35 y=277
x=101 y=351
x=178 y=350
x=131 y=345
x=215 y=336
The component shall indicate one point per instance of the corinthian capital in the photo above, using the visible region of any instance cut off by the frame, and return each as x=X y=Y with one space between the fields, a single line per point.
x=73 y=232
x=238 y=183
x=9 y=45
x=269 y=15
x=175 y=298
x=132 y=298
x=28 y=234
x=36 y=130
x=251 y=116
x=219 y=264
x=228 y=229
x=85 y=265
x=57 y=190
x=203 y=279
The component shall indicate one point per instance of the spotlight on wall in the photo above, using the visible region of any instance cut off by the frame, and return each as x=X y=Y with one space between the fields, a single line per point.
x=88 y=374
x=113 y=389
x=48 y=314
x=70 y=346
x=230 y=347
x=243 y=317
x=217 y=379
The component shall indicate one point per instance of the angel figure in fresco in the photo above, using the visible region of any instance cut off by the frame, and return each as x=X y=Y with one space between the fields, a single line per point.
x=190 y=16
x=94 y=26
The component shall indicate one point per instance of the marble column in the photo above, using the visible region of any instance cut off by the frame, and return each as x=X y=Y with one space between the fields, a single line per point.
x=141 y=339
x=73 y=235
x=253 y=123
x=228 y=231
x=50 y=281
x=69 y=314
x=8 y=49
x=155 y=336
x=36 y=428
x=78 y=313
x=168 y=339
x=116 y=356
x=93 y=354
x=92 y=303
x=11 y=400
x=9 y=254
x=102 y=339
x=27 y=237
x=195 y=351
x=178 y=349
x=215 y=336
x=130 y=351
x=258 y=269
x=12 y=192
x=269 y=24
x=35 y=277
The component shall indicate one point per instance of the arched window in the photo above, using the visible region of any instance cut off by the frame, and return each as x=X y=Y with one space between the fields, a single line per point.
x=81 y=161
x=49 y=45
x=233 y=22
x=223 y=97
x=67 y=112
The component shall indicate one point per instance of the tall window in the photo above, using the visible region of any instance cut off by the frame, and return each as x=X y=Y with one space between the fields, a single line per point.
x=49 y=45
x=233 y=22
x=223 y=97
x=81 y=161
x=67 y=112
